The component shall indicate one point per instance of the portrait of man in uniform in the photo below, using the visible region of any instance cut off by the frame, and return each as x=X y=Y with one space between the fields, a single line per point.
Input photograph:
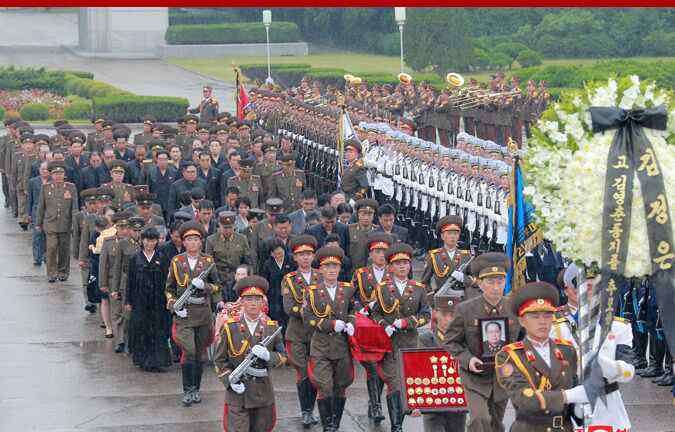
x=494 y=334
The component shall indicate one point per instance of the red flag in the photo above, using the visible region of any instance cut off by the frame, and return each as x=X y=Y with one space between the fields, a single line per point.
x=242 y=97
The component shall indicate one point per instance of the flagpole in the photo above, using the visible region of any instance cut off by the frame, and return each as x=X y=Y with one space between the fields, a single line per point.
x=513 y=201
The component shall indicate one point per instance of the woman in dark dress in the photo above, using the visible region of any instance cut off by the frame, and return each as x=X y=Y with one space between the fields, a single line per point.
x=149 y=326
x=277 y=265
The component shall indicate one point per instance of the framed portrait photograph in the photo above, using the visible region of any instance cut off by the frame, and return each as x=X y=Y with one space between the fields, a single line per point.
x=494 y=334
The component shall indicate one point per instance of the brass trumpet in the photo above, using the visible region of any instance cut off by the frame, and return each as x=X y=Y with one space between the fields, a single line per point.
x=404 y=78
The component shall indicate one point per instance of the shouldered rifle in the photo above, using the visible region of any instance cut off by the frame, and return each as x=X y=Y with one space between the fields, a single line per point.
x=191 y=289
x=239 y=371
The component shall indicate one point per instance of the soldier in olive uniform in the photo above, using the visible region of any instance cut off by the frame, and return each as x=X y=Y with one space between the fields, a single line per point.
x=228 y=248
x=249 y=401
x=298 y=333
x=95 y=140
x=249 y=185
x=192 y=328
x=442 y=265
x=129 y=246
x=184 y=140
x=82 y=218
x=208 y=107
x=148 y=209
x=401 y=308
x=264 y=229
x=266 y=168
x=359 y=231
x=539 y=373
x=365 y=280
x=434 y=337
x=329 y=309
x=24 y=163
x=57 y=207
x=464 y=340
x=144 y=138
x=355 y=177
x=288 y=183
x=123 y=192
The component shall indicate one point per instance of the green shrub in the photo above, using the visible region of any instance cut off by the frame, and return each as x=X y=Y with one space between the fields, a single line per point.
x=12 y=78
x=231 y=33
x=34 y=111
x=80 y=74
x=88 y=88
x=210 y=17
x=2 y=113
x=131 y=108
x=529 y=58
x=79 y=108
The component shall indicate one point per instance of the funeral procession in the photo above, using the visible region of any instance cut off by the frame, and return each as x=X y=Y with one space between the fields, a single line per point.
x=216 y=221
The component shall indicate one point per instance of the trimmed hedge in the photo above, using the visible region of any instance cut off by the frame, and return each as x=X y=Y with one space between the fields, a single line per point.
x=88 y=88
x=2 y=113
x=661 y=71
x=34 y=111
x=131 y=108
x=231 y=33
x=210 y=17
x=79 y=108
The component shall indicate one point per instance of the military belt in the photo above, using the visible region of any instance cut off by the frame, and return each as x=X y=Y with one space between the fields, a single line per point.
x=256 y=372
x=196 y=300
x=554 y=422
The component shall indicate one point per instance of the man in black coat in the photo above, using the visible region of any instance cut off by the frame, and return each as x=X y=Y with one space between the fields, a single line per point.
x=160 y=178
x=387 y=217
x=188 y=182
x=97 y=173
x=329 y=225
x=211 y=176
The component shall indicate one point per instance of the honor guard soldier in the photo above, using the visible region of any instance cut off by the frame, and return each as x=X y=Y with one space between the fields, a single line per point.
x=228 y=248
x=442 y=266
x=615 y=355
x=249 y=185
x=434 y=337
x=538 y=373
x=249 y=401
x=365 y=280
x=288 y=183
x=401 y=308
x=355 y=176
x=56 y=210
x=329 y=309
x=359 y=231
x=208 y=107
x=123 y=192
x=464 y=340
x=192 y=329
x=298 y=333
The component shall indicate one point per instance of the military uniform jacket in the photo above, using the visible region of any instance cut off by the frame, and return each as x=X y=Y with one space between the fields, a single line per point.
x=463 y=340
x=365 y=282
x=535 y=389
x=293 y=290
x=355 y=180
x=251 y=188
x=207 y=109
x=88 y=227
x=78 y=227
x=358 y=251
x=143 y=138
x=411 y=306
x=232 y=346
x=320 y=312
x=180 y=277
x=124 y=192
x=288 y=187
x=110 y=264
x=95 y=141
x=229 y=253
x=184 y=141
x=128 y=248
x=265 y=171
x=57 y=207
x=438 y=267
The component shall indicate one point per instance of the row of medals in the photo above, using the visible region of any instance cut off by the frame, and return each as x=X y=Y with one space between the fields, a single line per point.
x=440 y=393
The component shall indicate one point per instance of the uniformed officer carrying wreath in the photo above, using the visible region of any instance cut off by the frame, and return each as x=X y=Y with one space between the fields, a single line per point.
x=249 y=401
x=192 y=329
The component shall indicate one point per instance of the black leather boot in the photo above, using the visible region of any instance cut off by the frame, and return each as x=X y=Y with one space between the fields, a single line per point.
x=197 y=371
x=326 y=413
x=395 y=411
x=307 y=396
x=186 y=370
x=640 y=349
x=339 y=408
x=657 y=350
x=374 y=398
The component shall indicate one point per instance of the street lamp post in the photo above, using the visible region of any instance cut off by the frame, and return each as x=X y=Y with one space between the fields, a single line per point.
x=267 y=22
x=399 y=15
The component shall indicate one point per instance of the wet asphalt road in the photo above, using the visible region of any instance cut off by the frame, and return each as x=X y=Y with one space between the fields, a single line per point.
x=58 y=373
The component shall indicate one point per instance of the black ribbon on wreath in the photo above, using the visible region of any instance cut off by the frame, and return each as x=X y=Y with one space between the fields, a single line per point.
x=632 y=154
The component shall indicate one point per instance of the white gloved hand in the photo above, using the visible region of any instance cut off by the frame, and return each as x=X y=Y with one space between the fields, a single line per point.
x=576 y=395
x=364 y=312
x=182 y=313
x=238 y=387
x=458 y=275
x=399 y=323
x=260 y=352
x=349 y=329
x=339 y=326
x=389 y=330
x=609 y=367
x=198 y=283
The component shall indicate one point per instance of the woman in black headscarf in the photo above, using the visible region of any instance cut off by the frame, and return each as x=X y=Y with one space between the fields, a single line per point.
x=149 y=327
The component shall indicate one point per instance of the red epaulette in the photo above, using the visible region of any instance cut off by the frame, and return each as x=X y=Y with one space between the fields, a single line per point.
x=514 y=346
x=563 y=342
